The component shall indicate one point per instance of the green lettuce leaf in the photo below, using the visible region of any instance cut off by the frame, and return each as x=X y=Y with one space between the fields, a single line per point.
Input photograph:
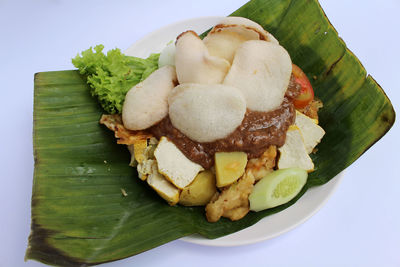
x=111 y=76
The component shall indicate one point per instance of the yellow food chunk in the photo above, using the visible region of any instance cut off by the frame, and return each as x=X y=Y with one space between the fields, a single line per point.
x=229 y=166
x=139 y=149
x=200 y=191
x=262 y=165
x=233 y=201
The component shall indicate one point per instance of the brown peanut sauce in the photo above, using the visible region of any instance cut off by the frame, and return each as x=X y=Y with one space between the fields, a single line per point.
x=257 y=132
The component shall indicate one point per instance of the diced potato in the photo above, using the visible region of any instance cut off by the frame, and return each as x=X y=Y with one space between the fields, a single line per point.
x=200 y=191
x=174 y=165
x=293 y=153
x=312 y=133
x=229 y=166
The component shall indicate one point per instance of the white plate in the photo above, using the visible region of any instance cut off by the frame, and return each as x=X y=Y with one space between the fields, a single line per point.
x=270 y=226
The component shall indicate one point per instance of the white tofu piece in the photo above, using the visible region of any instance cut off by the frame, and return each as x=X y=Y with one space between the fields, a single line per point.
x=174 y=165
x=293 y=153
x=163 y=188
x=312 y=133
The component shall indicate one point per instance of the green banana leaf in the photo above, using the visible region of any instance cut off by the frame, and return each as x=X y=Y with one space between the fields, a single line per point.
x=79 y=215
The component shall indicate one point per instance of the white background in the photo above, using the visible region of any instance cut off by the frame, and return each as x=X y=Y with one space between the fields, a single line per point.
x=359 y=225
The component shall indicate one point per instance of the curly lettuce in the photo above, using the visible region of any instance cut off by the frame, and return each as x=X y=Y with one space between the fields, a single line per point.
x=111 y=76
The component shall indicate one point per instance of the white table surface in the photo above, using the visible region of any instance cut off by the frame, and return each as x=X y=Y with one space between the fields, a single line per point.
x=359 y=225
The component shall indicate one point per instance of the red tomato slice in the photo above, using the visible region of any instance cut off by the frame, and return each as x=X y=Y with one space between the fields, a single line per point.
x=306 y=92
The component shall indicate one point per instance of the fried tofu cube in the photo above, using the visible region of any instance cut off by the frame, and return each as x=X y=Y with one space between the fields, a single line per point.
x=312 y=133
x=174 y=165
x=163 y=187
x=293 y=153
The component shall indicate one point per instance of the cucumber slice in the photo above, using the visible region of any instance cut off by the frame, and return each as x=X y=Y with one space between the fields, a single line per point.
x=277 y=188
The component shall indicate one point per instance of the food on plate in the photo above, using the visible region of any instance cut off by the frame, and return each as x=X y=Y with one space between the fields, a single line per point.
x=229 y=166
x=200 y=191
x=277 y=188
x=254 y=135
x=227 y=122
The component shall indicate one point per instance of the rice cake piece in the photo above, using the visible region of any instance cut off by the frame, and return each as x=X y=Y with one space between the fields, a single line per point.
x=174 y=165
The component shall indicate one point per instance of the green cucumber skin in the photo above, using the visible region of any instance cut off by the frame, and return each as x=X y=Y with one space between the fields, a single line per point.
x=261 y=197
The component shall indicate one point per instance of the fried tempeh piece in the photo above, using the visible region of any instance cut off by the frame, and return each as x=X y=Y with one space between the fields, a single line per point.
x=264 y=164
x=233 y=201
x=124 y=136
x=311 y=110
